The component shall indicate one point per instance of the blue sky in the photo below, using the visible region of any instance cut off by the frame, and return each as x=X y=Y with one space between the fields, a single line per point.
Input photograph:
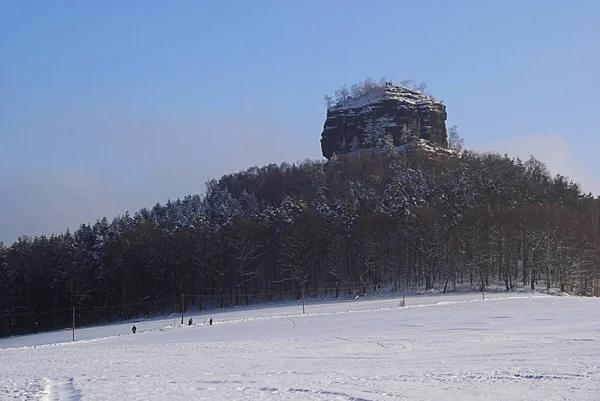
x=113 y=106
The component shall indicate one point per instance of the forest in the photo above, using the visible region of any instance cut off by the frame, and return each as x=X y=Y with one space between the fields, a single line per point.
x=352 y=225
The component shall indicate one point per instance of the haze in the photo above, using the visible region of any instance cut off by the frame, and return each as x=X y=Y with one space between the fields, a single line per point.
x=110 y=107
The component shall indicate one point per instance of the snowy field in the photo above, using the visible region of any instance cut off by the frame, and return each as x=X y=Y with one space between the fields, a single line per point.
x=517 y=346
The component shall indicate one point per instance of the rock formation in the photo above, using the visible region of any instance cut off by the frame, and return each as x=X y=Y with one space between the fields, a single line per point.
x=388 y=115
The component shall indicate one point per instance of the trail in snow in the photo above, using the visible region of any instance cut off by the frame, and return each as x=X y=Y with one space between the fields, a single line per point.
x=61 y=389
x=361 y=306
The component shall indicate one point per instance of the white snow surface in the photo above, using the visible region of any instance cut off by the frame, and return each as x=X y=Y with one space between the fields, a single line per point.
x=403 y=95
x=510 y=346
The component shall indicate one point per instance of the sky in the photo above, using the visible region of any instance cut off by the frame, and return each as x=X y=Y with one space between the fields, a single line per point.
x=108 y=107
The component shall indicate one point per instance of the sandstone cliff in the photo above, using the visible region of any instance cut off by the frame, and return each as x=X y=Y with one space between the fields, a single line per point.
x=389 y=114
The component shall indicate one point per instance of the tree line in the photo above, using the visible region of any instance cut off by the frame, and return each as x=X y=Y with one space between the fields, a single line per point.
x=345 y=227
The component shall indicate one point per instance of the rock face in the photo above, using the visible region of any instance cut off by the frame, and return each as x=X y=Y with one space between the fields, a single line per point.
x=389 y=115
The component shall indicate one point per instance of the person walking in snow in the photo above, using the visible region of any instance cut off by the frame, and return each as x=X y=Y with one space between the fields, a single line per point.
x=134 y=329
x=190 y=321
x=210 y=322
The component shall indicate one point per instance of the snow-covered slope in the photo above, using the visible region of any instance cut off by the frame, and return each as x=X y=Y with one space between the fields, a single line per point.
x=446 y=347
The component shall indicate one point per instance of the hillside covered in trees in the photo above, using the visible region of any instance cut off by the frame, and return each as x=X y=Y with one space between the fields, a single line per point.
x=398 y=220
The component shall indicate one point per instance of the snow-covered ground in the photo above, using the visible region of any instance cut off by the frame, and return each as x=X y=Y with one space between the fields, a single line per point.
x=515 y=346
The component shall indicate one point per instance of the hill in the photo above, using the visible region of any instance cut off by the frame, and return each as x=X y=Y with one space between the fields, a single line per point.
x=420 y=219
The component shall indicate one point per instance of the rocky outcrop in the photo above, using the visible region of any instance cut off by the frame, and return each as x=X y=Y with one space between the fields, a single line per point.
x=389 y=115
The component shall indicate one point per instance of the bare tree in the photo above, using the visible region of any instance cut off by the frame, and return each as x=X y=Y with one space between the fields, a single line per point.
x=368 y=256
x=247 y=248
x=298 y=256
x=455 y=142
x=328 y=101
x=478 y=246
x=336 y=260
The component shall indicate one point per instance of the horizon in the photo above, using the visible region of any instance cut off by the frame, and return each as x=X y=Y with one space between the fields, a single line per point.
x=113 y=108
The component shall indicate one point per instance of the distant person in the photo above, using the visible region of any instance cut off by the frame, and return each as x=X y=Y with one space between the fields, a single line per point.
x=190 y=321
x=210 y=322
x=133 y=329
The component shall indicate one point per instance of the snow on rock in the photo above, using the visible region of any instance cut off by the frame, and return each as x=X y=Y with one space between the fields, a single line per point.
x=388 y=92
x=397 y=114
